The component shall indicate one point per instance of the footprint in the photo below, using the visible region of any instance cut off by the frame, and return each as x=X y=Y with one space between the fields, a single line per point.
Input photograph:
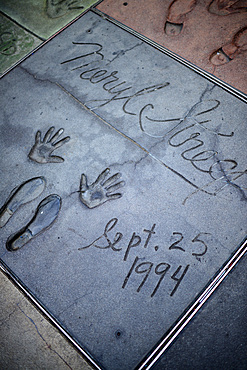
x=177 y=12
x=26 y=192
x=46 y=213
x=229 y=51
x=226 y=7
x=218 y=58
x=173 y=29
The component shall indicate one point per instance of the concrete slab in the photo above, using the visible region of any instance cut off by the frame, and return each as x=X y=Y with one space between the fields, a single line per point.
x=27 y=339
x=217 y=337
x=15 y=43
x=156 y=232
x=44 y=17
x=211 y=35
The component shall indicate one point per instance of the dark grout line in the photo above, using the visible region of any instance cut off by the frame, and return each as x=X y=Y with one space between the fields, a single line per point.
x=20 y=25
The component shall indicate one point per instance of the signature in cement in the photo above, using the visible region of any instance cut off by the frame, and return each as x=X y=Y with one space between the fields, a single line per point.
x=191 y=135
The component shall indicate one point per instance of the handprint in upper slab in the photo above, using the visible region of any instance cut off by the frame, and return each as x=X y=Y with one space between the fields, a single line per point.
x=58 y=8
x=101 y=190
x=42 y=149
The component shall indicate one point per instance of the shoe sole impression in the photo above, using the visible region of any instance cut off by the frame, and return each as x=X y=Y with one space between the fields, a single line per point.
x=229 y=51
x=26 y=192
x=46 y=213
x=220 y=7
x=176 y=16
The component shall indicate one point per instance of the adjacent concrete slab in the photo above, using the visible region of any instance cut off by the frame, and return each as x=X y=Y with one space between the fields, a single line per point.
x=217 y=337
x=44 y=17
x=15 y=43
x=211 y=35
x=134 y=250
x=27 y=339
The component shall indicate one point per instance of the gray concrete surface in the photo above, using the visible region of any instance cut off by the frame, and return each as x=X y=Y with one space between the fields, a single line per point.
x=217 y=337
x=120 y=257
x=27 y=340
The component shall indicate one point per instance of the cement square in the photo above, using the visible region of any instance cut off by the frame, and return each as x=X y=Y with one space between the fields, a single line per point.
x=44 y=17
x=15 y=44
x=209 y=34
x=163 y=227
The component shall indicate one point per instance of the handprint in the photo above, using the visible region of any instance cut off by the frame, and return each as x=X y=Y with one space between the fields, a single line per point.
x=42 y=149
x=58 y=8
x=101 y=190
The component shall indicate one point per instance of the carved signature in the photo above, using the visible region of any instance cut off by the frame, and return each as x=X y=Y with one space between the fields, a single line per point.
x=187 y=134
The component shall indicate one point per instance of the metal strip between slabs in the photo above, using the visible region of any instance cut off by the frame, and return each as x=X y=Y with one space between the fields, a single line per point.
x=167 y=340
x=185 y=318
x=24 y=289
x=154 y=355
x=232 y=90
x=43 y=41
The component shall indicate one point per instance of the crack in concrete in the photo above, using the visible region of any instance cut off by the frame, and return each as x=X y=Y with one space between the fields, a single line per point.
x=74 y=302
x=229 y=182
x=8 y=318
x=102 y=119
x=148 y=153
x=35 y=77
x=130 y=139
x=129 y=162
x=43 y=339
x=200 y=100
x=123 y=52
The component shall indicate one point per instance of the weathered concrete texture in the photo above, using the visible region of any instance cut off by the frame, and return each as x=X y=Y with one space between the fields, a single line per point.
x=210 y=37
x=28 y=341
x=44 y=17
x=15 y=43
x=217 y=337
x=124 y=247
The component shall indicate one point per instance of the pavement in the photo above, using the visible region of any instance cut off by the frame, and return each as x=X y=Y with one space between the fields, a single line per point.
x=124 y=170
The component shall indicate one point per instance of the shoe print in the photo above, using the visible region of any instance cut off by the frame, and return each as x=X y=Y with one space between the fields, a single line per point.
x=226 y=7
x=230 y=51
x=46 y=213
x=25 y=193
x=176 y=15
